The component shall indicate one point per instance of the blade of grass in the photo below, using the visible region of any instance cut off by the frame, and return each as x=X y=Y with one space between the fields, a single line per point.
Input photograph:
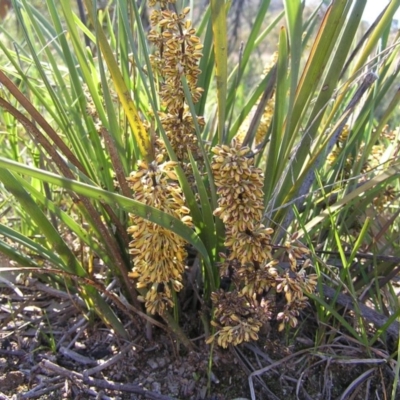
x=34 y=247
x=276 y=138
x=146 y=212
x=207 y=230
x=16 y=255
x=218 y=18
x=71 y=264
x=293 y=11
x=127 y=103
x=393 y=172
x=63 y=216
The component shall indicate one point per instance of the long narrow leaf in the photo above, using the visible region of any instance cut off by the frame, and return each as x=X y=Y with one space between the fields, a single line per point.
x=147 y=212
x=127 y=103
x=218 y=17
x=71 y=264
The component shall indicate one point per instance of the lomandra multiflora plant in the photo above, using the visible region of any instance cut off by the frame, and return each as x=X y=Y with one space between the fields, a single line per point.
x=185 y=175
x=159 y=254
x=240 y=313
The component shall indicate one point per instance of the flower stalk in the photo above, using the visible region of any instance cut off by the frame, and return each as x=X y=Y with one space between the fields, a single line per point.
x=249 y=263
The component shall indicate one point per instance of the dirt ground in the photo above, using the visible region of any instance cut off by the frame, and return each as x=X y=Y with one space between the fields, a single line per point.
x=49 y=349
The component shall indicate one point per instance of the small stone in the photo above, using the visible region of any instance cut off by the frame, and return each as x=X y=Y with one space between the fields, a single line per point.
x=152 y=363
x=3 y=363
x=181 y=370
x=161 y=362
x=191 y=387
x=156 y=387
x=203 y=392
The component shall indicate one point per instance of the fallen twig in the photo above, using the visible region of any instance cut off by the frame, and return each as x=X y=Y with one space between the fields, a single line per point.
x=39 y=391
x=76 y=356
x=82 y=323
x=111 y=361
x=35 y=285
x=16 y=353
x=357 y=382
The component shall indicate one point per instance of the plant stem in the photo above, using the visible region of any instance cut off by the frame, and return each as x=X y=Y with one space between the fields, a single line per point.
x=177 y=330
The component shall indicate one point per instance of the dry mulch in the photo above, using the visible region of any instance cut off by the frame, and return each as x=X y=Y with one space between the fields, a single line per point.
x=50 y=350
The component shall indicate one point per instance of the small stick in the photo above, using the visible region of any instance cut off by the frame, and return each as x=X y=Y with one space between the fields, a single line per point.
x=16 y=353
x=36 y=392
x=81 y=321
x=97 y=395
x=111 y=361
x=76 y=356
x=35 y=285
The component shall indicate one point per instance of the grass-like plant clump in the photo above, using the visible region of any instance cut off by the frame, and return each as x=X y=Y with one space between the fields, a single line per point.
x=168 y=176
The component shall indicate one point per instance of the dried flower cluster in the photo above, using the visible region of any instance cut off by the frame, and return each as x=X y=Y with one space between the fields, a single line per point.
x=264 y=124
x=240 y=314
x=238 y=317
x=385 y=197
x=177 y=55
x=266 y=117
x=334 y=154
x=375 y=155
x=377 y=159
x=159 y=253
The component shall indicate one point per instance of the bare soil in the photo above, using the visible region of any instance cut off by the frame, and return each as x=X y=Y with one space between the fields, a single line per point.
x=50 y=350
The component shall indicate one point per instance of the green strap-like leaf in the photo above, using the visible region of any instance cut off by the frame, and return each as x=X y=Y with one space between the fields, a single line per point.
x=133 y=206
x=218 y=17
x=207 y=227
x=103 y=310
x=141 y=136
x=70 y=262
x=86 y=236
x=29 y=246
x=390 y=174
